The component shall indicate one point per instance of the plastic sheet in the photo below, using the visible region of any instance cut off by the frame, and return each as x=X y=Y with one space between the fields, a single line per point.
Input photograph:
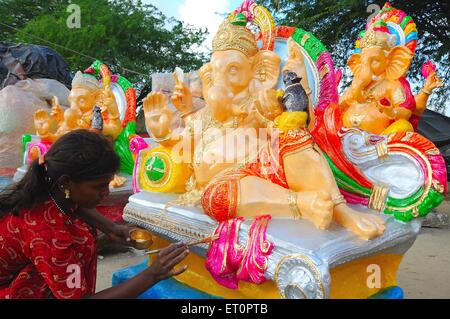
x=32 y=61
x=17 y=106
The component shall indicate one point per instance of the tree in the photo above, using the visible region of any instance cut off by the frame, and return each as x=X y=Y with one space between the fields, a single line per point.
x=132 y=38
x=337 y=24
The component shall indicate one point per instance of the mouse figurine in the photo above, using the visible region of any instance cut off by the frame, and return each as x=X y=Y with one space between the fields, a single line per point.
x=97 y=120
x=295 y=98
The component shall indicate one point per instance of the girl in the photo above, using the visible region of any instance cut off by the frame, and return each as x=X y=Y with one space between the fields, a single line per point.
x=48 y=220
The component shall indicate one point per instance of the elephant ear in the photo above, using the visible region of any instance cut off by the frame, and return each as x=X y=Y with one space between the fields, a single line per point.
x=266 y=71
x=354 y=63
x=399 y=60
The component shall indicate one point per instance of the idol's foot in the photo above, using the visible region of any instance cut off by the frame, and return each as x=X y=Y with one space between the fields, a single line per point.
x=316 y=207
x=366 y=226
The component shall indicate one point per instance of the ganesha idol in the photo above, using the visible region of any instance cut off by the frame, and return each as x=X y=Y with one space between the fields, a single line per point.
x=114 y=98
x=302 y=205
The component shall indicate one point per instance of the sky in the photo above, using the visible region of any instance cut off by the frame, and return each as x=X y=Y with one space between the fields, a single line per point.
x=199 y=13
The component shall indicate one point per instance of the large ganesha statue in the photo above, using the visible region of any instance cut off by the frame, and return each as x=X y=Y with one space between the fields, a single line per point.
x=302 y=152
x=238 y=87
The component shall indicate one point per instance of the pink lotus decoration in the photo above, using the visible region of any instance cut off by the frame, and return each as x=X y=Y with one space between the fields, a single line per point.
x=428 y=68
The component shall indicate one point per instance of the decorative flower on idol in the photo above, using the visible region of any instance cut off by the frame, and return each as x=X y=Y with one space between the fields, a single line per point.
x=428 y=68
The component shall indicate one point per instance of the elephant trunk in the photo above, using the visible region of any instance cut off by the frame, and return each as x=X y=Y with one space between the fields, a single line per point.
x=219 y=99
x=359 y=86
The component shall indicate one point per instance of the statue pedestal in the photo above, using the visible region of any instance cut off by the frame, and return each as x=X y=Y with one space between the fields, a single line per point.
x=305 y=263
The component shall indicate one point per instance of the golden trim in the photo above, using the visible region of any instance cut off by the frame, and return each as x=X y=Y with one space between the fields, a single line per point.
x=163 y=222
x=407 y=137
x=437 y=186
x=378 y=198
x=227 y=241
x=324 y=71
x=304 y=39
x=338 y=200
x=293 y=206
x=382 y=151
x=433 y=151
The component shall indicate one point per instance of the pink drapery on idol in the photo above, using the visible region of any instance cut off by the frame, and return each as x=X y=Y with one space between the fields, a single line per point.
x=228 y=261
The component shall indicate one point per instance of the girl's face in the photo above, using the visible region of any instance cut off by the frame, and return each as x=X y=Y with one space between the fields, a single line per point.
x=89 y=194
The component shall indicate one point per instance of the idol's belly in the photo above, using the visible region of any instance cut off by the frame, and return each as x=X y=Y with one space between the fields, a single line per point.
x=217 y=157
x=366 y=117
x=205 y=172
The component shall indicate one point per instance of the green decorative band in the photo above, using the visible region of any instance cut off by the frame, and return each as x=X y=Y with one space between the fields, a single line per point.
x=433 y=200
x=155 y=169
x=405 y=21
x=379 y=23
x=122 y=147
x=240 y=20
x=312 y=45
x=26 y=138
x=346 y=182
x=96 y=66
x=405 y=202
x=395 y=205
x=124 y=83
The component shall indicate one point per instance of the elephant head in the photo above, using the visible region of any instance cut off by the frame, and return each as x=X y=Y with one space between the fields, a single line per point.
x=378 y=59
x=86 y=91
x=237 y=70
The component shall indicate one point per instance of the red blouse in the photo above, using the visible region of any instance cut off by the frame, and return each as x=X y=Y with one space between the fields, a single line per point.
x=46 y=254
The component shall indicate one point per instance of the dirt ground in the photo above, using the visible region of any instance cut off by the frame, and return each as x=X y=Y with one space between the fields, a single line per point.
x=424 y=272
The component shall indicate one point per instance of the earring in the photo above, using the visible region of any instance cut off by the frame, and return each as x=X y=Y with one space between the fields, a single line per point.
x=67 y=192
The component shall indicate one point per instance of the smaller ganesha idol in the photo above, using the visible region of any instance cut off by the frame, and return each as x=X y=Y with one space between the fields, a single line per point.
x=383 y=163
x=380 y=100
x=106 y=106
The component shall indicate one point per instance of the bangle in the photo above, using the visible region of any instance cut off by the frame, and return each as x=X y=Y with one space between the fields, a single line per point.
x=426 y=91
x=292 y=200
x=262 y=119
x=338 y=200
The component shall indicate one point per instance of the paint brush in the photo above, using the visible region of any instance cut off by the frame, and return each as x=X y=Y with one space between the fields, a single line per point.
x=205 y=240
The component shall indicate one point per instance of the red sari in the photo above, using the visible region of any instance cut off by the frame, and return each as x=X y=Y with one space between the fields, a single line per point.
x=46 y=254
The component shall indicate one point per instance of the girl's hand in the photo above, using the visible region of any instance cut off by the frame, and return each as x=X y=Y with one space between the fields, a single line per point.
x=163 y=265
x=121 y=234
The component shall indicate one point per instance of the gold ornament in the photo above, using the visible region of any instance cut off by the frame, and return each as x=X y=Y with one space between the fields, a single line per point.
x=380 y=39
x=235 y=37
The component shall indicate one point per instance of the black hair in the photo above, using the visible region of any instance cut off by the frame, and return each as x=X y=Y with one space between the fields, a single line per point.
x=81 y=155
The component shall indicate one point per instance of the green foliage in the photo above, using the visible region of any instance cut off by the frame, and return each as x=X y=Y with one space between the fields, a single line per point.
x=337 y=24
x=127 y=35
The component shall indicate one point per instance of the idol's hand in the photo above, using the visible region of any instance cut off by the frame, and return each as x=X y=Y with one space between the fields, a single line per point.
x=57 y=112
x=268 y=104
x=182 y=98
x=433 y=82
x=317 y=207
x=158 y=116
